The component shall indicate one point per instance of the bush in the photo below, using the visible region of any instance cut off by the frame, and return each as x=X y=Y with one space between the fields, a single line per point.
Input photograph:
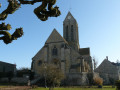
x=112 y=81
x=90 y=78
x=10 y=75
x=31 y=75
x=23 y=71
x=117 y=83
x=98 y=81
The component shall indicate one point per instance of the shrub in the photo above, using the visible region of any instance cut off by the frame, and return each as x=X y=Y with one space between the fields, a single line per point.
x=31 y=75
x=10 y=75
x=112 y=81
x=117 y=83
x=98 y=81
x=90 y=78
x=23 y=71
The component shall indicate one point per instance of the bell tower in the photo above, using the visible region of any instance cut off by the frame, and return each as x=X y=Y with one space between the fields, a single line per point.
x=70 y=31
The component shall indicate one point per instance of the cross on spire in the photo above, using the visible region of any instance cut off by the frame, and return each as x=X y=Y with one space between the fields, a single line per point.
x=70 y=6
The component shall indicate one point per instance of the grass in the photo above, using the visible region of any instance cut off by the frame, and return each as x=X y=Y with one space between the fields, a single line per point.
x=76 y=89
x=2 y=86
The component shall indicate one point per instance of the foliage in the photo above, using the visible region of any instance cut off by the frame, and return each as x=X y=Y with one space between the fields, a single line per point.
x=117 y=83
x=9 y=75
x=32 y=75
x=23 y=71
x=98 y=81
x=6 y=36
x=90 y=78
x=44 y=11
x=112 y=81
x=52 y=74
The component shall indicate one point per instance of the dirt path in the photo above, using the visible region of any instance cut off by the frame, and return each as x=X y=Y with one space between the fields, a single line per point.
x=16 y=88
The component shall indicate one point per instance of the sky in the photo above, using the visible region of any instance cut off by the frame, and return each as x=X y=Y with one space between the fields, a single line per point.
x=98 y=22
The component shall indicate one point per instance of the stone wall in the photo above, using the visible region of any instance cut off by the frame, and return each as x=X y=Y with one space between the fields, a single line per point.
x=20 y=80
x=15 y=80
x=76 y=79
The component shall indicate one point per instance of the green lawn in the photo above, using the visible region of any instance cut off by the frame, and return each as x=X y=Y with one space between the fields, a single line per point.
x=2 y=86
x=75 y=89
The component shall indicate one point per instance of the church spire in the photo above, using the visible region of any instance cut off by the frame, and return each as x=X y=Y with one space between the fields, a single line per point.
x=69 y=17
x=70 y=31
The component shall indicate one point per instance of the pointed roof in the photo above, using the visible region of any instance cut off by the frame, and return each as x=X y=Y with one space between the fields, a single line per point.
x=39 y=54
x=6 y=63
x=104 y=66
x=69 y=17
x=55 y=37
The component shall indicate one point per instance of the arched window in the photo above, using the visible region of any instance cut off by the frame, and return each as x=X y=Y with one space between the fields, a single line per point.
x=54 y=51
x=72 y=34
x=39 y=63
x=66 y=32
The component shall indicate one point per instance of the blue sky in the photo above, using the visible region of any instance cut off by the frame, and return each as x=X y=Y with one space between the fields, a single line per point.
x=98 y=22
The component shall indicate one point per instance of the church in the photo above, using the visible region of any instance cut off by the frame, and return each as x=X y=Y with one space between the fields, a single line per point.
x=65 y=52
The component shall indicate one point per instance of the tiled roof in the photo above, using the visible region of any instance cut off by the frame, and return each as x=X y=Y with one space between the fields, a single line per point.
x=55 y=37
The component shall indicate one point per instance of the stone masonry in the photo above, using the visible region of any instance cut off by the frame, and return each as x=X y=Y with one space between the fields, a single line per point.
x=65 y=52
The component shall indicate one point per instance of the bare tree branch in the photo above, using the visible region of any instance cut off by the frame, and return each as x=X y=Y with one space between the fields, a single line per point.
x=95 y=63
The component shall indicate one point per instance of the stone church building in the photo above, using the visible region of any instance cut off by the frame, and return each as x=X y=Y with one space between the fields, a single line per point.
x=65 y=52
x=109 y=71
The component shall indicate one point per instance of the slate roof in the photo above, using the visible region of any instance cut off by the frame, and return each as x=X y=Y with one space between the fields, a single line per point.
x=72 y=18
x=55 y=37
x=37 y=56
x=104 y=66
